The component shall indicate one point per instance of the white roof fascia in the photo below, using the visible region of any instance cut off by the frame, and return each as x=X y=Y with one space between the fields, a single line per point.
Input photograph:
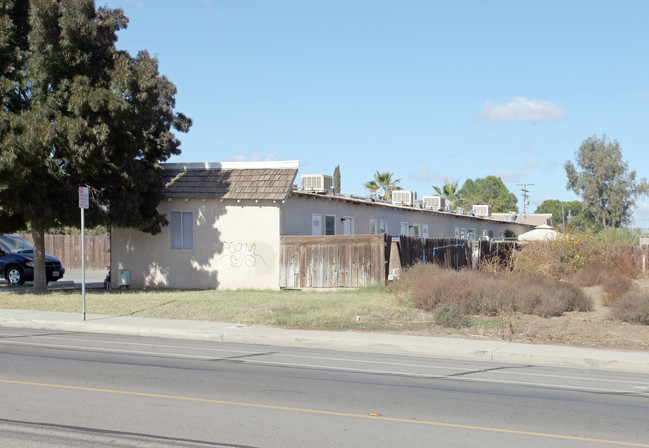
x=274 y=164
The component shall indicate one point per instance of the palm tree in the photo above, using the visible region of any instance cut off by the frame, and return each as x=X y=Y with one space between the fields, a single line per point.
x=449 y=192
x=383 y=180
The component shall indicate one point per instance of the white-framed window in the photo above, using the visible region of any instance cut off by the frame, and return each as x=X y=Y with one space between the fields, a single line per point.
x=182 y=230
x=416 y=227
x=316 y=224
x=463 y=232
x=457 y=232
x=330 y=224
x=374 y=226
x=472 y=232
x=424 y=231
x=404 y=228
x=383 y=226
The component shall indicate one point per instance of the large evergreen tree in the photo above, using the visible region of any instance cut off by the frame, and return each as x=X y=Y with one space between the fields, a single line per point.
x=607 y=188
x=564 y=213
x=77 y=111
x=489 y=190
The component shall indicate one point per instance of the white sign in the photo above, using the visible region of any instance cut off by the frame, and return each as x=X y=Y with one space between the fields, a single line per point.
x=84 y=197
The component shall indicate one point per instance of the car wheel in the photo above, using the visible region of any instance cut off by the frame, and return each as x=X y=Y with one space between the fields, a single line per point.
x=15 y=275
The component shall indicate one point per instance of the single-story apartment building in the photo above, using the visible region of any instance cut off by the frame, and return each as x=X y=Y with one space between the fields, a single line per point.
x=226 y=220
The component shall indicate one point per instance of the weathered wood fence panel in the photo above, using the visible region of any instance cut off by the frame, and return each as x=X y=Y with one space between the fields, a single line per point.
x=350 y=261
x=67 y=248
x=454 y=253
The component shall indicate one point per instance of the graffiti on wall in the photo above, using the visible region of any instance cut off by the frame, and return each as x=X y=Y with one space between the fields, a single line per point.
x=242 y=254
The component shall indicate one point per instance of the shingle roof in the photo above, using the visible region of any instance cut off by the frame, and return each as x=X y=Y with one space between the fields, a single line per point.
x=269 y=180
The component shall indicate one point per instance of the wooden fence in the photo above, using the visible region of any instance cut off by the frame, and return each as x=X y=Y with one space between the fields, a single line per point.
x=67 y=248
x=453 y=253
x=350 y=261
x=362 y=260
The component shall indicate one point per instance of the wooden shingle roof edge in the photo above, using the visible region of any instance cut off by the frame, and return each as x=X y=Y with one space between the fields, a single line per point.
x=229 y=180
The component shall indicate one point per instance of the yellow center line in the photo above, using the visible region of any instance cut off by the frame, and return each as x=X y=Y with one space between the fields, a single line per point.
x=340 y=414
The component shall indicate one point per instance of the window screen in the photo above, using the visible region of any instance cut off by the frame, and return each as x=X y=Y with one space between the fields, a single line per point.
x=182 y=230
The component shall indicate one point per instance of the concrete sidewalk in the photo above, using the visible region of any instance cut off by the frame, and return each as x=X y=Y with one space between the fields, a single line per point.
x=500 y=351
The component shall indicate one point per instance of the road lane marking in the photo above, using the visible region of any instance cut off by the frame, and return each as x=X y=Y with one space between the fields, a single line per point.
x=453 y=377
x=470 y=370
x=331 y=413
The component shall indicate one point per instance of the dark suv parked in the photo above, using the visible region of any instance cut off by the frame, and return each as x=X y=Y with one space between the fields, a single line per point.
x=17 y=261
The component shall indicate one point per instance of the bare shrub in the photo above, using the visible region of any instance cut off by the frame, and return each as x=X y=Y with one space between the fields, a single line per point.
x=450 y=315
x=558 y=259
x=621 y=260
x=615 y=287
x=443 y=286
x=632 y=307
x=536 y=257
x=493 y=296
x=475 y=292
x=614 y=269
x=402 y=288
x=591 y=275
x=573 y=296
x=547 y=297
x=498 y=263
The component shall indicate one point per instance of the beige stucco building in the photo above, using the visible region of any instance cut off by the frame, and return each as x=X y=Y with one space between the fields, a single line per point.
x=226 y=219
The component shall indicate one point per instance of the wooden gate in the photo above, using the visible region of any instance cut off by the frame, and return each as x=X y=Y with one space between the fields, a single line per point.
x=350 y=261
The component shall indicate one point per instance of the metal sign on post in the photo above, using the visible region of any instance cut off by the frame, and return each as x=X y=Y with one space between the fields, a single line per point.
x=84 y=203
x=84 y=198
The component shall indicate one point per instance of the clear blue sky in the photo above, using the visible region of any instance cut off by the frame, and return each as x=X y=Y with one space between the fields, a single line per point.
x=432 y=91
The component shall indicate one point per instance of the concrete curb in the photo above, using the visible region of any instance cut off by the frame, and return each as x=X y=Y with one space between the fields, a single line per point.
x=499 y=351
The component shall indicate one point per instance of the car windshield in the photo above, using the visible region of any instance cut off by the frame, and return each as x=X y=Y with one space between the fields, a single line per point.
x=15 y=244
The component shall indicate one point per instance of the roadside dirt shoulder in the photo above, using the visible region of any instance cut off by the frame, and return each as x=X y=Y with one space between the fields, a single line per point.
x=585 y=329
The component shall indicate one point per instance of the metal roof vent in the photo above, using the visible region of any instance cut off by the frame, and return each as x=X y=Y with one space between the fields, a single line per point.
x=318 y=183
x=436 y=203
x=482 y=210
x=404 y=197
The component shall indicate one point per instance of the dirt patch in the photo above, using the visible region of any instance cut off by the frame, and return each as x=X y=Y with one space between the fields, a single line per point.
x=586 y=329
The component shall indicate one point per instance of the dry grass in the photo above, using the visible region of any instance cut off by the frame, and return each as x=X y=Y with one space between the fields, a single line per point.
x=498 y=302
x=335 y=310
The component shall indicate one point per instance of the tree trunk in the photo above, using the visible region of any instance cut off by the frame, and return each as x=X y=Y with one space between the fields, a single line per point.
x=40 y=277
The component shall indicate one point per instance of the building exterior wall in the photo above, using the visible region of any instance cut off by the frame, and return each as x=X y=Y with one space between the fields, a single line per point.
x=297 y=216
x=235 y=245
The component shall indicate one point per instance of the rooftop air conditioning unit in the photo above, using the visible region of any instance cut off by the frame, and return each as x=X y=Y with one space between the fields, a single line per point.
x=319 y=183
x=436 y=203
x=482 y=210
x=404 y=197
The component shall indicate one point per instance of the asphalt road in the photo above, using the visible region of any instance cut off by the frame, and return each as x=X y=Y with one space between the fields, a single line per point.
x=72 y=389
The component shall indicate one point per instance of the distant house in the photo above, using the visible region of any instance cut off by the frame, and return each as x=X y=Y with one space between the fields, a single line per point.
x=226 y=220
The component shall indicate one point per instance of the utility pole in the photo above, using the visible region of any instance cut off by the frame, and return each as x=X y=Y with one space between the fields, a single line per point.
x=525 y=195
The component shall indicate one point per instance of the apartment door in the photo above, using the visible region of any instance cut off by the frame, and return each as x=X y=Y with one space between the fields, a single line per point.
x=316 y=224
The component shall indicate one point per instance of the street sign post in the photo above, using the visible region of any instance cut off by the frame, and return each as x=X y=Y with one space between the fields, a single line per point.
x=84 y=203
